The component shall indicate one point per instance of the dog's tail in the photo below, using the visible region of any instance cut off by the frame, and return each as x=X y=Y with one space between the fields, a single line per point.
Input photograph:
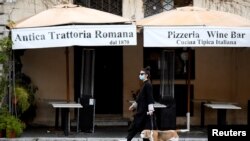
x=182 y=130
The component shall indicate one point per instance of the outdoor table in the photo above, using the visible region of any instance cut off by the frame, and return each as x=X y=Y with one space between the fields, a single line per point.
x=159 y=105
x=202 y=108
x=221 y=110
x=65 y=114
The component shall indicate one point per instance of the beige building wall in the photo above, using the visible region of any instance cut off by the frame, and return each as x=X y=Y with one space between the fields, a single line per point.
x=20 y=9
x=132 y=64
x=229 y=80
x=218 y=78
x=47 y=69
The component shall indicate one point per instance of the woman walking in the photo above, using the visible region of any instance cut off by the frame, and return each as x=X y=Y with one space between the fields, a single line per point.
x=143 y=106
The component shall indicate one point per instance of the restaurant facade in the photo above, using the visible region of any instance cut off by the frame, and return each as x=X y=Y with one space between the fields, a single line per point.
x=218 y=74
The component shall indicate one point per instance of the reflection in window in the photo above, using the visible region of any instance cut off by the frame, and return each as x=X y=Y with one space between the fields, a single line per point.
x=152 y=7
x=152 y=57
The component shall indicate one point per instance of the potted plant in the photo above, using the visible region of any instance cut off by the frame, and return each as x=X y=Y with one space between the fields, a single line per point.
x=25 y=86
x=24 y=99
x=3 y=116
x=21 y=98
x=10 y=126
x=14 y=127
x=2 y=126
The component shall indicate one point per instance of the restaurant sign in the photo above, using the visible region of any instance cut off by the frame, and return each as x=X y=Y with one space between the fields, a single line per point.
x=74 y=35
x=193 y=36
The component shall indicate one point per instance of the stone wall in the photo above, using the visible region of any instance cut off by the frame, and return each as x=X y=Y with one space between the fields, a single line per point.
x=2 y=17
x=19 y=9
x=239 y=7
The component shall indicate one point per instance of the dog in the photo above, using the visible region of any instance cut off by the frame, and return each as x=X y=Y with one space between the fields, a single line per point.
x=157 y=135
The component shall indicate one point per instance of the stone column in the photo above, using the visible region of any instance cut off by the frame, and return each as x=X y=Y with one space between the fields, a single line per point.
x=133 y=9
x=132 y=56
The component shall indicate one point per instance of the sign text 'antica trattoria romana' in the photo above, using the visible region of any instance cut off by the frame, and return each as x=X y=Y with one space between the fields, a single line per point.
x=102 y=35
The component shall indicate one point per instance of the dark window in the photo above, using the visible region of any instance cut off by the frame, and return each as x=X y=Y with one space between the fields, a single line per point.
x=152 y=7
x=181 y=3
x=111 y=6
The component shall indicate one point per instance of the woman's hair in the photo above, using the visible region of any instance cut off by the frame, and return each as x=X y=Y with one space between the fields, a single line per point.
x=147 y=71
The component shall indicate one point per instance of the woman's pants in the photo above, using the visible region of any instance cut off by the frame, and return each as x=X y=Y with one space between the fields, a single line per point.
x=133 y=130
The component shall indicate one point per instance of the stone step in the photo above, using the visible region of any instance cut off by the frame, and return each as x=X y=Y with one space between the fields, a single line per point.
x=110 y=120
x=121 y=122
x=111 y=123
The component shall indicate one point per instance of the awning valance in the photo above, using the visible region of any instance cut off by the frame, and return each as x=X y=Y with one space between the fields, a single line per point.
x=196 y=36
x=74 y=35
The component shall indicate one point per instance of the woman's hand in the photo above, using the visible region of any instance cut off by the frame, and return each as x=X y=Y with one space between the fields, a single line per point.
x=150 y=109
x=133 y=106
x=150 y=113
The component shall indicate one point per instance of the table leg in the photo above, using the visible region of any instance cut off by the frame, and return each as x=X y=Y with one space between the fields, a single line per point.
x=202 y=114
x=65 y=121
x=62 y=118
x=57 y=118
x=77 y=121
x=248 y=112
x=221 y=116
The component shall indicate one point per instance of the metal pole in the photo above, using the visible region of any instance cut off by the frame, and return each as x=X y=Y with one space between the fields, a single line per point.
x=77 y=120
x=188 y=90
x=92 y=86
x=67 y=74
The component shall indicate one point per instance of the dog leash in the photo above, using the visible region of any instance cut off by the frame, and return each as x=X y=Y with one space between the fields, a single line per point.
x=152 y=127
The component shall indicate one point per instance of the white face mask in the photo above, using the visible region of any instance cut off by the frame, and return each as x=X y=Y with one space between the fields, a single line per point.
x=142 y=76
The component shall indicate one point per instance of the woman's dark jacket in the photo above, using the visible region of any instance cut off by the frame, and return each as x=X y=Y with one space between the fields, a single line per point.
x=144 y=98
